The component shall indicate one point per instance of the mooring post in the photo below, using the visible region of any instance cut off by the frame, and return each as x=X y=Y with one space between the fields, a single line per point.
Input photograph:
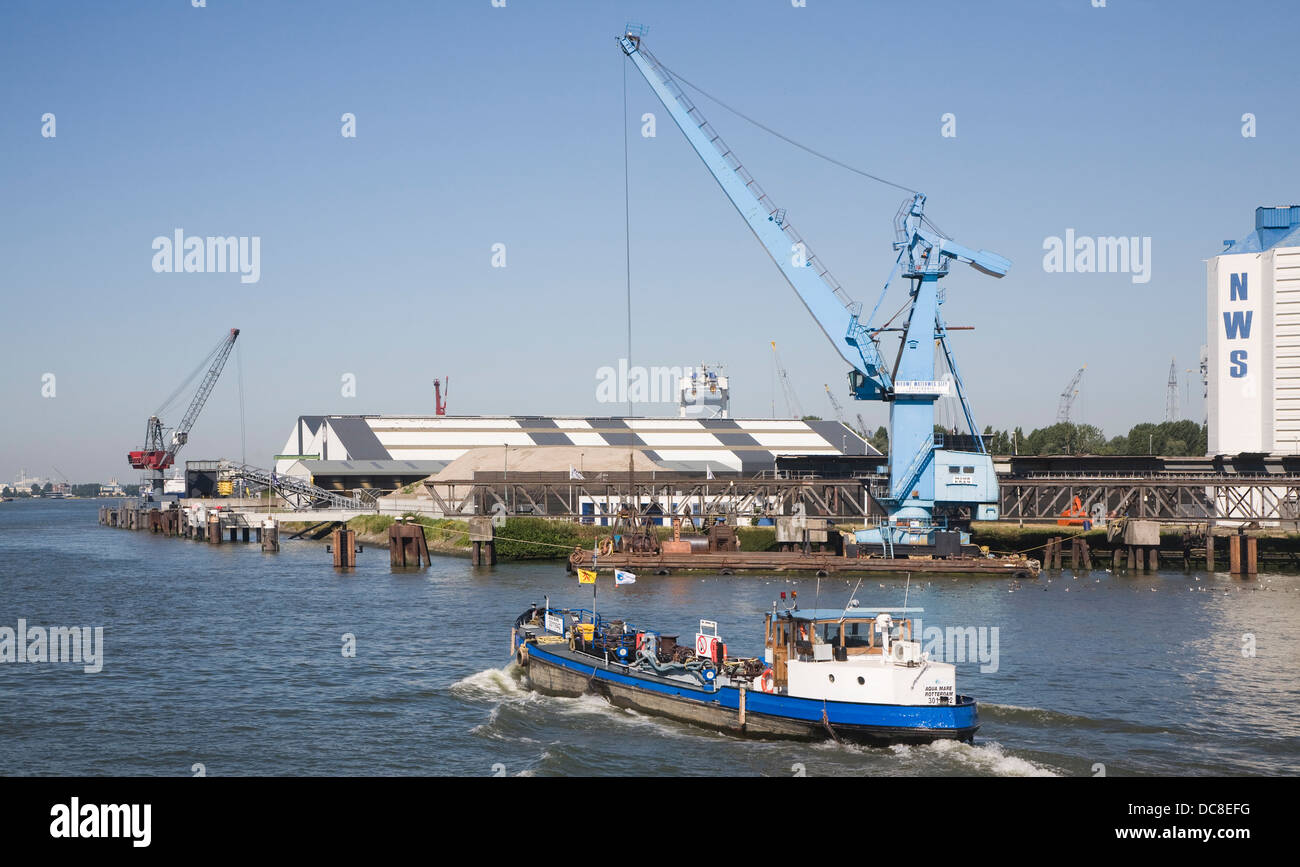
x=1252 y=551
x=343 y=542
x=422 y=546
x=1234 y=553
x=482 y=536
x=1209 y=549
x=407 y=543
x=270 y=535
x=214 y=529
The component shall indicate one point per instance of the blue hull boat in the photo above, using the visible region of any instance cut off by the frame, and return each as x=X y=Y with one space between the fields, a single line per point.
x=852 y=676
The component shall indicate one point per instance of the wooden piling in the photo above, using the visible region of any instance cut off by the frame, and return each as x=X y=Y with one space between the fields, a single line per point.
x=1234 y=553
x=214 y=529
x=1209 y=550
x=343 y=542
x=407 y=545
x=1252 y=552
x=1080 y=555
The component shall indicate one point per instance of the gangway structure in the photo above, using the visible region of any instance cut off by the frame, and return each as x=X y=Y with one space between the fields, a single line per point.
x=296 y=493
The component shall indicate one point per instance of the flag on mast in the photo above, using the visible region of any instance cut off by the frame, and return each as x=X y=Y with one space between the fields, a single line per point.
x=574 y=474
x=586 y=576
x=708 y=471
x=623 y=577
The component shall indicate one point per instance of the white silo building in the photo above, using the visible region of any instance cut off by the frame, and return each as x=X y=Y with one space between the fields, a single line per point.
x=1253 y=375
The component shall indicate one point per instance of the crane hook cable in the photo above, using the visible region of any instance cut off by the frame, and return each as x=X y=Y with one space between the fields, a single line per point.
x=202 y=365
x=783 y=137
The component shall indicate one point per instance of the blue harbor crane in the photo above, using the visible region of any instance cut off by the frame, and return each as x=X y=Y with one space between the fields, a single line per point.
x=935 y=481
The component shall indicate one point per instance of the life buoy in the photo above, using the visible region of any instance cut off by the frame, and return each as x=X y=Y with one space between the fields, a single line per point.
x=767 y=682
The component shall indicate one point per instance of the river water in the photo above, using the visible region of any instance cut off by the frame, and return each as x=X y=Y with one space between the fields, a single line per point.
x=226 y=661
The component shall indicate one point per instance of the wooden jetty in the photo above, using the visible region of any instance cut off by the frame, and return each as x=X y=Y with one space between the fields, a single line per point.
x=815 y=563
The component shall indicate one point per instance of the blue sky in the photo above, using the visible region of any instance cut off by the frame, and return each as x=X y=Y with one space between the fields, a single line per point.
x=479 y=125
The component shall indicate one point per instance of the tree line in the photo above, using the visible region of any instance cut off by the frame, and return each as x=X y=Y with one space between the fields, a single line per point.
x=1172 y=438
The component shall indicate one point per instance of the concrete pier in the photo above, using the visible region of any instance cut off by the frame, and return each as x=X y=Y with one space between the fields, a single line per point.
x=483 y=545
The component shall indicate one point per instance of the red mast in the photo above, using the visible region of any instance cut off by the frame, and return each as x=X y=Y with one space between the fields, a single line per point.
x=440 y=405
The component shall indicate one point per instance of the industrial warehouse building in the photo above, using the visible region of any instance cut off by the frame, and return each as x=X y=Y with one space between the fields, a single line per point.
x=372 y=451
x=1253 y=354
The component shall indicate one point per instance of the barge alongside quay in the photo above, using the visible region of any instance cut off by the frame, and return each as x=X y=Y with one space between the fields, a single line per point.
x=853 y=675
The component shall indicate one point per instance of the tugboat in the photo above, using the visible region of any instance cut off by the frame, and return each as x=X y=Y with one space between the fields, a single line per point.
x=854 y=675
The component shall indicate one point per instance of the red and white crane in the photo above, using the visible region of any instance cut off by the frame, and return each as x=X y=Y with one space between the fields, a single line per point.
x=159 y=450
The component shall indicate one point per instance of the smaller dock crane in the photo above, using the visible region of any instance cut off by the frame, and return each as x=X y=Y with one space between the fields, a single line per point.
x=792 y=405
x=440 y=405
x=1067 y=397
x=160 y=450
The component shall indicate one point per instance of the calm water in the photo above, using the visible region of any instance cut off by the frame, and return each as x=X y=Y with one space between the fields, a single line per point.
x=231 y=658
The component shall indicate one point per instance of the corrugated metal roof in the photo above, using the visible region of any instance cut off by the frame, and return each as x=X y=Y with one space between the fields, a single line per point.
x=1275 y=226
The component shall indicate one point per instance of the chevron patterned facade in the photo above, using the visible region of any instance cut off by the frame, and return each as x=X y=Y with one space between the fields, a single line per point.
x=429 y=443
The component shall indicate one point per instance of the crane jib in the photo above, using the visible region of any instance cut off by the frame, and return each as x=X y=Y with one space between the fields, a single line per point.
x=820 y=293
x=157 y=454
x=917 y=495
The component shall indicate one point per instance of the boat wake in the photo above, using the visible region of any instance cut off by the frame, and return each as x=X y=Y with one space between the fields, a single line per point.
x=982 y=758
x=1037 y=716
x=493 y=684
x=506 y=689
x=947 y=757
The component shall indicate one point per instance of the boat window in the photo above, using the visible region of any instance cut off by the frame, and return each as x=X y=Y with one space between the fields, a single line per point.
x=968 y=470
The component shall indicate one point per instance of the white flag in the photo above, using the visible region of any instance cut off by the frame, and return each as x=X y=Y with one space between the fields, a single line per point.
x=708 y=471
x=573 y=472
x=622 y=577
